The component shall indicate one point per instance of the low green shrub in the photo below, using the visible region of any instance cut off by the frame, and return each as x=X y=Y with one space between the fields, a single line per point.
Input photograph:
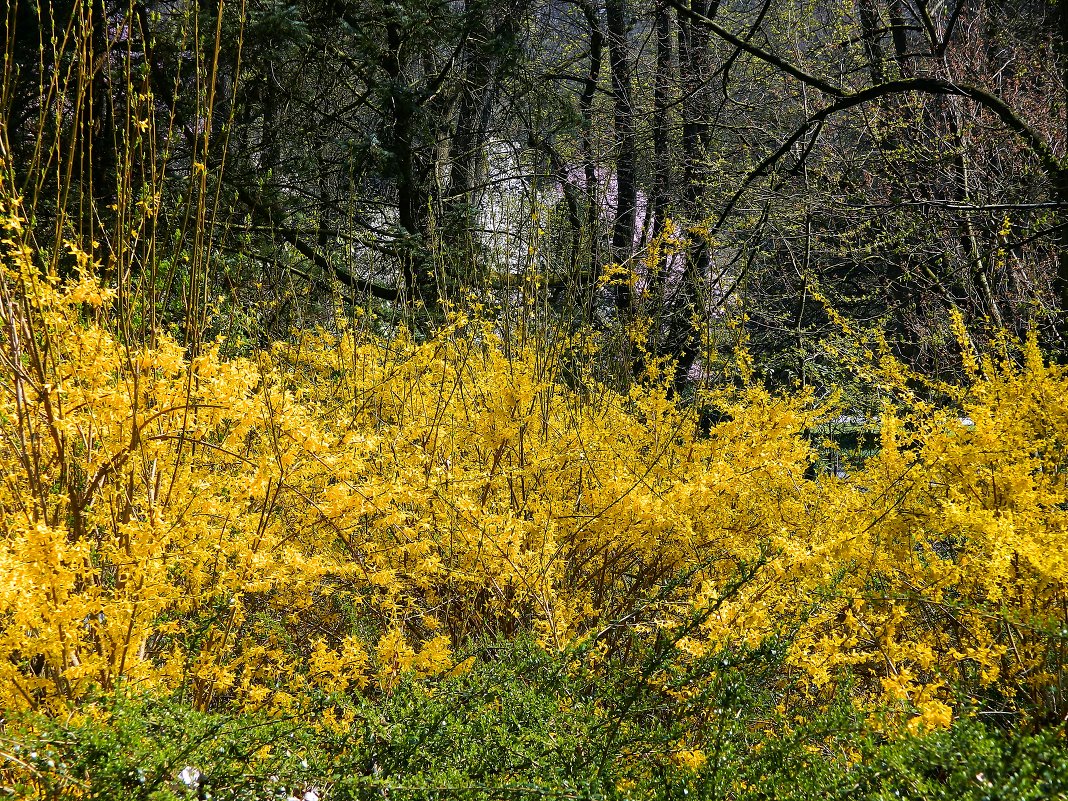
x=521 y=722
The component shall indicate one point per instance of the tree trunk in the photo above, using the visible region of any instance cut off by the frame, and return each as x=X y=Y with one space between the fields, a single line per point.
x=869 y=24
x=694 y=60
x=626 y=152
x=662 y=180
x=1060 y=190
x=418 y=282
x=589 y=166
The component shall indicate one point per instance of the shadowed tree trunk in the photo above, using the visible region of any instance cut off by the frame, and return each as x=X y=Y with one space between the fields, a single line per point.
x=412 y=211
x=624 y=215
x=589 y=164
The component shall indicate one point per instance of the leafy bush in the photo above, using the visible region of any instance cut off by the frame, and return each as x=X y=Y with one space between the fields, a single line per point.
x=524 y=722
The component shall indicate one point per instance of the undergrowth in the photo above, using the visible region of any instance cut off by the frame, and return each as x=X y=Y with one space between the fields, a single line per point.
x=524 y=723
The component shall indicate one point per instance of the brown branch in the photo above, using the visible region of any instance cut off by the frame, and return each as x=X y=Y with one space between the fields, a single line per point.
x=266 y=213
x=932 y=86
x=746 y=46
x=845 y=100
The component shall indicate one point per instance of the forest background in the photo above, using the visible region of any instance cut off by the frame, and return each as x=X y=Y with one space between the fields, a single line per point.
x=566 y=398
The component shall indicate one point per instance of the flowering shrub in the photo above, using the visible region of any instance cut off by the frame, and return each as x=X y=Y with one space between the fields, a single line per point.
x=344 y=510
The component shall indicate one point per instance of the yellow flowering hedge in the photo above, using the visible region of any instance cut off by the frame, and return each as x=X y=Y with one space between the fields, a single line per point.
x=345 y=509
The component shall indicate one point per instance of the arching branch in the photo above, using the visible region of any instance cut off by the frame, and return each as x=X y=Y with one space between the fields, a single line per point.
x=845 y=99
x=745 y=45
x=932 y=86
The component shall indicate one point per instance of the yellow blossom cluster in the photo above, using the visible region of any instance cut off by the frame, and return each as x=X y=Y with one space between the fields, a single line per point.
x=344 y=510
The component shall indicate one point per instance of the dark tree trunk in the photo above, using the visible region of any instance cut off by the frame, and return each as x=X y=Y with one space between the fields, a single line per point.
x=625 y=147
x=662 y=176
x=418 y=282
x=661 y=154
x=1060 y=190
x=589 y=166
x=694 y=60
x=869 y=24
x=898 y=25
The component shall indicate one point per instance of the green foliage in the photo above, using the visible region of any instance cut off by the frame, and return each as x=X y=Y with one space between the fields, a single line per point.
x=137 y=747
x=523 y=722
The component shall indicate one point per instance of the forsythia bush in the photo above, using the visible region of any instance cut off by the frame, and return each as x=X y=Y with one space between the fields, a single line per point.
x=344 y=510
